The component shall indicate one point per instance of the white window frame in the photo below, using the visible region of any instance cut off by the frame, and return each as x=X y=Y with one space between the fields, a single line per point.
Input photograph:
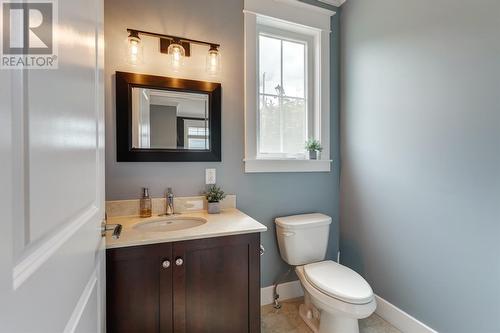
x=302 y=19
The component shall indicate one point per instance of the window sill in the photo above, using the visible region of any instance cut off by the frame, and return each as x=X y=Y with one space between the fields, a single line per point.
x=286 y=165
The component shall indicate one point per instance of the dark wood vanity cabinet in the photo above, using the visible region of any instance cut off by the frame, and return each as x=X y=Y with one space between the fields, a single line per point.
x=208 y=285
x=138 y=288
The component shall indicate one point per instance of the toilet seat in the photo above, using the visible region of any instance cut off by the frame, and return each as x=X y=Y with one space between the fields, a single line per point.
x=339 y=282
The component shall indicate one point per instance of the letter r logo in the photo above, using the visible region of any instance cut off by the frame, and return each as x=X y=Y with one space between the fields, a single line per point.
x=27 y=27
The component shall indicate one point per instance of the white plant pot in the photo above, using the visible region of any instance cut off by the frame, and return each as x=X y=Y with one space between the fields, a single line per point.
x=213 y=207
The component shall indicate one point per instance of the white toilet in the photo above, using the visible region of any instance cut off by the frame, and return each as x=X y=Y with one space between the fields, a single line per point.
x=335 y=296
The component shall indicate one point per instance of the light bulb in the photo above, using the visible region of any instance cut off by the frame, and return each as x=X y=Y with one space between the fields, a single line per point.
x=135 y=51
x=213 y=61
x=177 y=53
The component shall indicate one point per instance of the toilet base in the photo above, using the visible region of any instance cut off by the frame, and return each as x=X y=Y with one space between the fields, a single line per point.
x=330 y=323
x=307 y=315
x=327 y=322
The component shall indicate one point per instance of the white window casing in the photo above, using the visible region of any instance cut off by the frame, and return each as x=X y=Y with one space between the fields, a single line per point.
x=302 y=19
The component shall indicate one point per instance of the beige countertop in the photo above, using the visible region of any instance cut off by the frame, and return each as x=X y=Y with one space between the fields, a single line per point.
x=230 y=221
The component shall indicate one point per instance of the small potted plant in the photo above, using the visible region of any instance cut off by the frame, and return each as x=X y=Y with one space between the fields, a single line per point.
x=214 y=195
x=313 y=146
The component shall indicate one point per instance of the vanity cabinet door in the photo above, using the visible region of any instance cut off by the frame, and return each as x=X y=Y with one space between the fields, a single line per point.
x=216 y=285
x=139 y=285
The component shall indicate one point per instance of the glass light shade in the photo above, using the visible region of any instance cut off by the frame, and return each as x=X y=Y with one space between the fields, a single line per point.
x=213 y=62
x=135 y=50
x=177 y=54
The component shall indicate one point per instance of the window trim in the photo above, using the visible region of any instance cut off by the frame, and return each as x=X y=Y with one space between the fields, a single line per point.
x=302 y=19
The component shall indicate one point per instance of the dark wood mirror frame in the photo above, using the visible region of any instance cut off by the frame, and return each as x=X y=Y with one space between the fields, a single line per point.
x=126 y=153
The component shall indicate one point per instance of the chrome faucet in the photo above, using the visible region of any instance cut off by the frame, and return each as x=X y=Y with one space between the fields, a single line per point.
x=170 y=202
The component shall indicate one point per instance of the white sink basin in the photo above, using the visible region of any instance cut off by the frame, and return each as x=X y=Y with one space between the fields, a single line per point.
x=161 y=224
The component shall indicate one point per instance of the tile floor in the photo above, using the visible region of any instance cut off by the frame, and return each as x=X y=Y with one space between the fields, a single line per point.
x=287 y=320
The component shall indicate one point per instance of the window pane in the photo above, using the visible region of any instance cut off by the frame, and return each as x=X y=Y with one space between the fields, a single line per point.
x=293 y=69
x=294 y=125
x=283 y=120
x=197 y=143
x=269 y=64
x=198 y=131
x=270 y=126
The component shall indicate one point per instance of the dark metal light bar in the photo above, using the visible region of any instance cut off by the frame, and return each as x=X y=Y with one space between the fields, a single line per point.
x=182 y=39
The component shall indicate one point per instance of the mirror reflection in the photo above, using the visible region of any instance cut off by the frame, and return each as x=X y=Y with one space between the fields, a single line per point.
x=165 y=119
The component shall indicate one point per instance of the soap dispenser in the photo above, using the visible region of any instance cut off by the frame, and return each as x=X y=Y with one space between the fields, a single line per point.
x=145 y=204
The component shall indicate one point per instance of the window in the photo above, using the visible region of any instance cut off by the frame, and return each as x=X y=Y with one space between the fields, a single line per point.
x=287 y=83
x=196 y=133
x=284 y=117
x=197 y=137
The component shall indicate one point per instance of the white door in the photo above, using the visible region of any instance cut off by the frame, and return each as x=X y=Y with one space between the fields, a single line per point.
x=52 y=183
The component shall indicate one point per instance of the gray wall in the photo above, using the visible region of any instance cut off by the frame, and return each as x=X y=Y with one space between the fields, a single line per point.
x=420 y=206
x=263 y=196
x=163 y=126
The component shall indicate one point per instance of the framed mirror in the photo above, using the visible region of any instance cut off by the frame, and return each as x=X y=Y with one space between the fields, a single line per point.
x=162 y=119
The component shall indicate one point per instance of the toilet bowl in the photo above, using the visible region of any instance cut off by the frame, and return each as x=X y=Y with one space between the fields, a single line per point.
x=339 y=311
x=335 y=297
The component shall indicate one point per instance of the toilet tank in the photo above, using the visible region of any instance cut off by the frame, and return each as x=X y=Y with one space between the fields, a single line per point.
x=303 y=239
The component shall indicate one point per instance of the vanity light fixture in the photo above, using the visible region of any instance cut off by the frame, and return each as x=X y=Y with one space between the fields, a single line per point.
x=177 y=53
x=177 y=48
x=213 y=60
x=135 y=51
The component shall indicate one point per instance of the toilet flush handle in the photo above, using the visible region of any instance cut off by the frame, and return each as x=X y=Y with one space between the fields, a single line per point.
x=288 y=233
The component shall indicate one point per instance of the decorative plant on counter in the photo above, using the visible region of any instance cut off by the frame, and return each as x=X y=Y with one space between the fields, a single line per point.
x=214 y=195
x=313 y=146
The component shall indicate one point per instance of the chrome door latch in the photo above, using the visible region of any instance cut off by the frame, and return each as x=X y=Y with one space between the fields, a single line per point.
x=117 y=229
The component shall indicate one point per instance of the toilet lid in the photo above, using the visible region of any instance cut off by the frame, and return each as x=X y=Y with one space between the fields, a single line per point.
x=339 y=282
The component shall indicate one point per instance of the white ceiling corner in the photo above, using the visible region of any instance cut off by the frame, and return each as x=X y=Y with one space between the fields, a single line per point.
x=298 y=3
x=336 y=3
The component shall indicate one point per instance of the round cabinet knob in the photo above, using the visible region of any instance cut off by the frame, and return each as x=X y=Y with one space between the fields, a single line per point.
x=179 y=261
x=165 y=264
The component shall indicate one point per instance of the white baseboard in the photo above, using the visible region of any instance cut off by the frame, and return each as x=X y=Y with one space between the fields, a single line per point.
x=287 y=290
x=400 y=319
